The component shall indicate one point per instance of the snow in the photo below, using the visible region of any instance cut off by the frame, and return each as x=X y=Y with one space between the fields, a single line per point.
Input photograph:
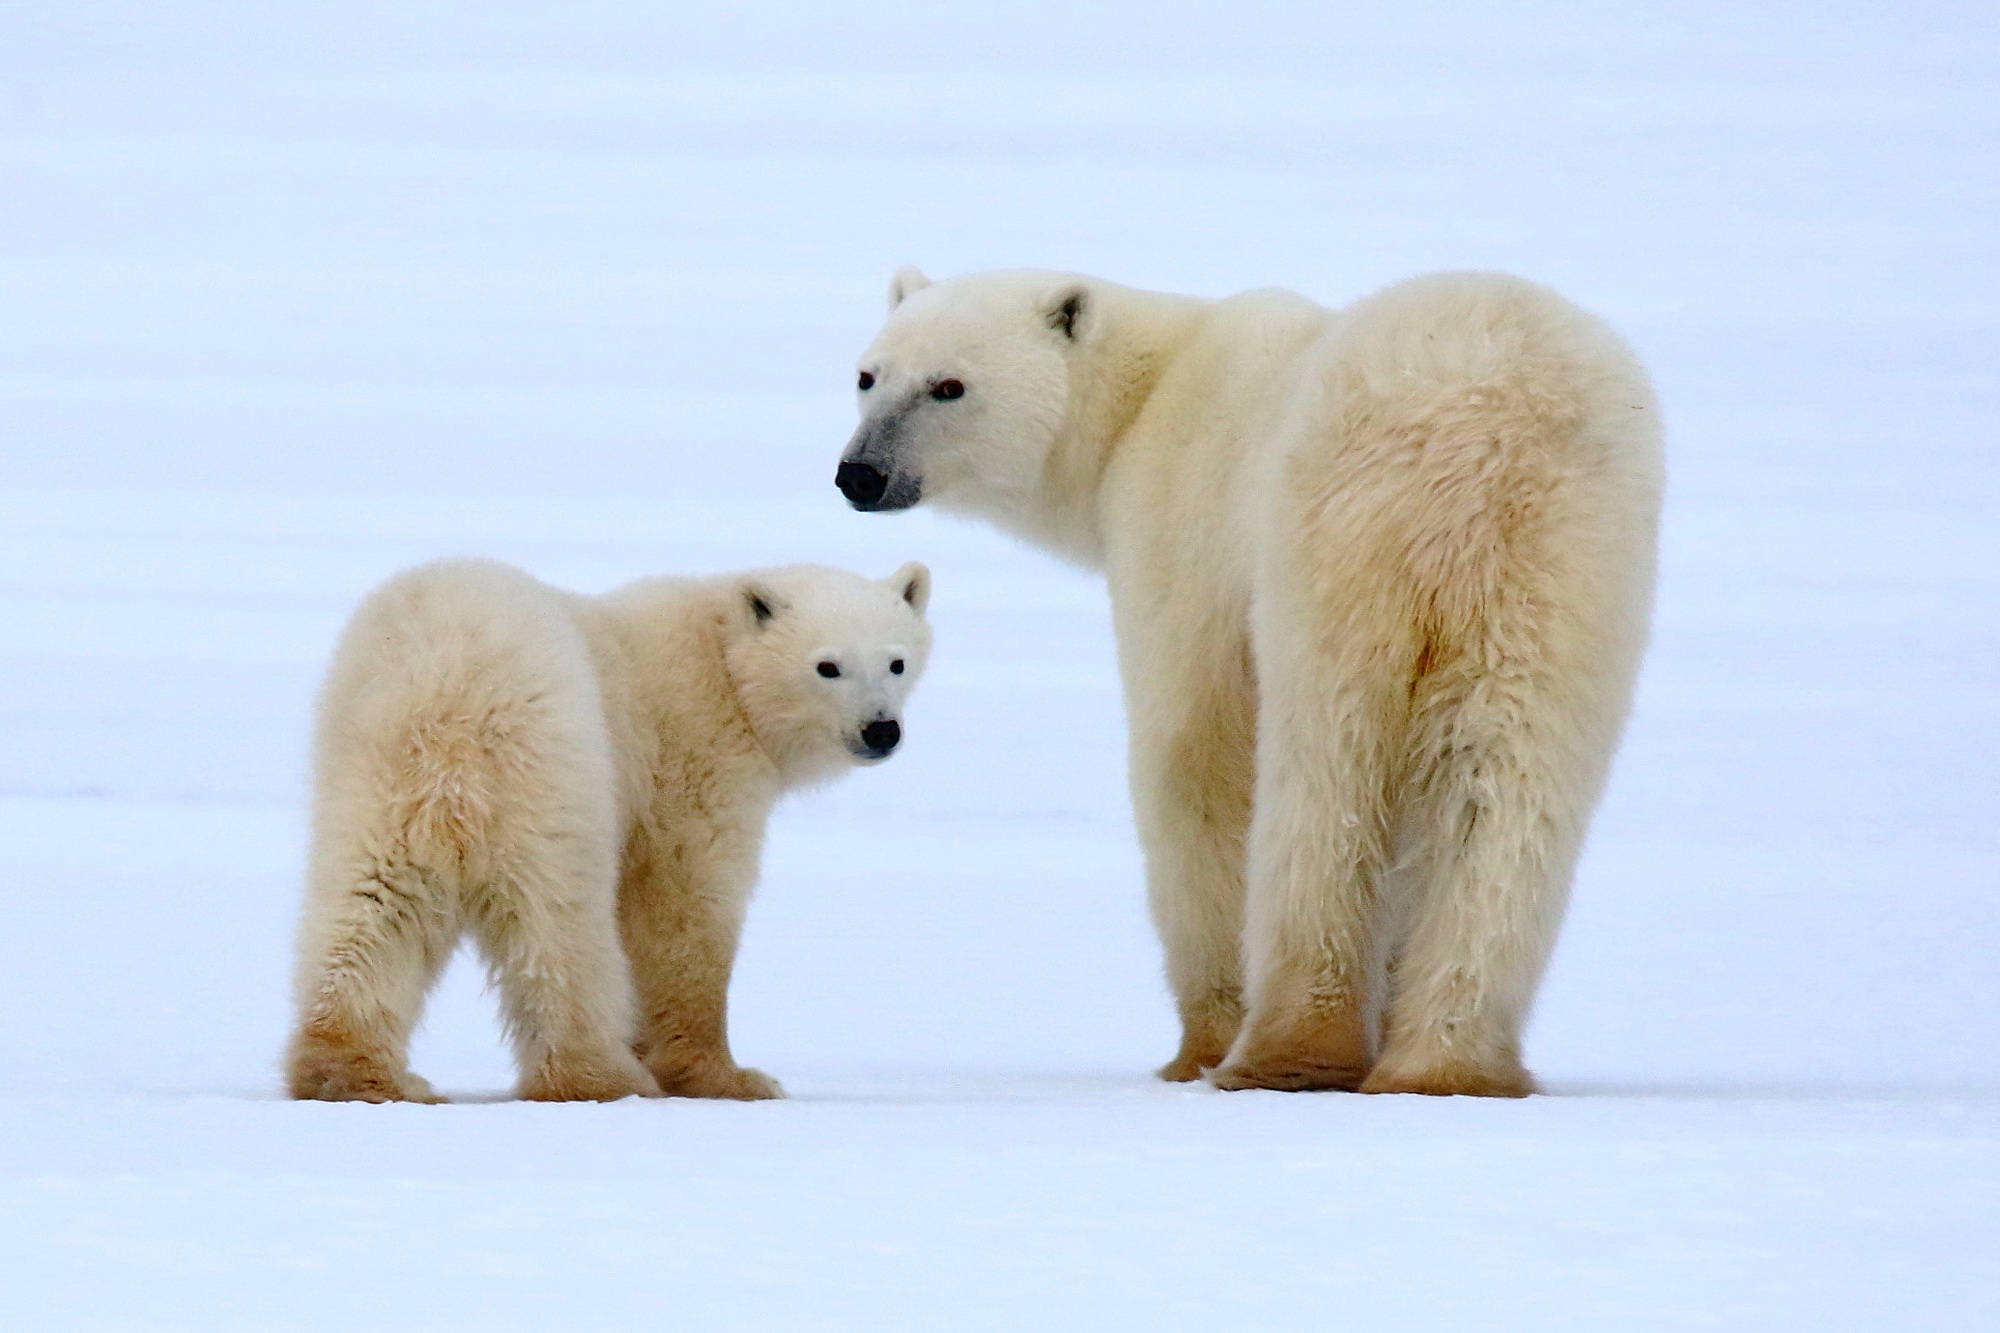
x=296 y=296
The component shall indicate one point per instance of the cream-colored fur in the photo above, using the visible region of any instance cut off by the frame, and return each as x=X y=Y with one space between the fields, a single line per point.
x=1381 y=579
x=574 y=781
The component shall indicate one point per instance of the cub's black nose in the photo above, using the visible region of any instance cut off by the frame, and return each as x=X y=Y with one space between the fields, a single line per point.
x=863 y=484
x=880 y=738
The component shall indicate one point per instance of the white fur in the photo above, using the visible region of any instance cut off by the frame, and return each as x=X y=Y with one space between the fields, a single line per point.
x=1381 y=578
x=576 y=782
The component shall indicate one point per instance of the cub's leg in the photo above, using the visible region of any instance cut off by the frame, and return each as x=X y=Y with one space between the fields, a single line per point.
x=542 y=897
x=376 y=935
x=680 y=913
x=1193 y=759
x=546 y=920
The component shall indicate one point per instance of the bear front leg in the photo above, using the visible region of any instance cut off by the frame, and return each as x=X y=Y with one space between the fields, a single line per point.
x=1193 y=758
x=681 y=921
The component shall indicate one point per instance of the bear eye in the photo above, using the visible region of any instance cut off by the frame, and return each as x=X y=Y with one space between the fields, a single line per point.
x=946 y=390
x=896 y=667
x=867 y=381
x=829 y=670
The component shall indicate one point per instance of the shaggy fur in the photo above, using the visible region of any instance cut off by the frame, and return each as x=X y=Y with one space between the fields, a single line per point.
x=575 y=782
x=1381 y=579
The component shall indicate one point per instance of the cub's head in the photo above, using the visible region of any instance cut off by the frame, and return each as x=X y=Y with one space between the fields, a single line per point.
x=823 y=661
x=964 y=391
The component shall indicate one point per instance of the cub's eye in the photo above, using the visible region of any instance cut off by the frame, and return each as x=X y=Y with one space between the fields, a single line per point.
x=946 y=390
x=829 y=670
x=866 y=381
x=896 y=667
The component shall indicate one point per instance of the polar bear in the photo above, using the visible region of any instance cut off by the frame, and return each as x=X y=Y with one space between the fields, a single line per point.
x=557 y=774
x=1381 y=577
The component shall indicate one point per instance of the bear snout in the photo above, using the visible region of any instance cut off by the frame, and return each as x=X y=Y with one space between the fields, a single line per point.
x=863 y=484
x=880 y=737
x=872 y=490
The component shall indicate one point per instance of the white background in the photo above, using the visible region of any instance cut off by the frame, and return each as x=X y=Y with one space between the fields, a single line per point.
x=292 y=296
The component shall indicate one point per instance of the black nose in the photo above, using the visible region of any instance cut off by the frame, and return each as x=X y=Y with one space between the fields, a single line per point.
x=863 y=484
x=881 y=737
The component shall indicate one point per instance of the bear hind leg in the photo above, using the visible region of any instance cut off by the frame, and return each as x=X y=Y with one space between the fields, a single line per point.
x=1316 y=847
x=550 y=937
x=1495 y=820
x=362 y=986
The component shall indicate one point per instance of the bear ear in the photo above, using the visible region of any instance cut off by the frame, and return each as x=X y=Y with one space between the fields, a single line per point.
x=759 y=601
x=909 y=280
x=913 y=584
x=1065 y=310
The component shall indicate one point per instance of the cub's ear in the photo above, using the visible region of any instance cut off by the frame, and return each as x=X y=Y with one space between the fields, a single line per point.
x=761 y=604
x=909 y=280
x=1066 y=309
x=913 y=584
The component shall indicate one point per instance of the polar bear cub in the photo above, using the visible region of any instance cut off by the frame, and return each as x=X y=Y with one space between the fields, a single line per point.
x=582 y=785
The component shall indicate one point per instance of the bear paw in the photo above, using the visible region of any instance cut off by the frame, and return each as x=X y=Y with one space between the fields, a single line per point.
x=1200 y=1052
x=722 y=1082
x=1501 y=1080
x=1181 y=1069
x=1300 y=1074
x=329 y=1071
x=560 y=1080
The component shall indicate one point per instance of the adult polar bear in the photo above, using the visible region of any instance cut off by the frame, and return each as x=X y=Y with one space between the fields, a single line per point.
x=1381 y=579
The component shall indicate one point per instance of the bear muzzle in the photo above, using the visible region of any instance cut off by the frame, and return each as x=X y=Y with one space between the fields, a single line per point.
x=863 y=484
x=878 y=739
x=875 y=472
x=871 y=490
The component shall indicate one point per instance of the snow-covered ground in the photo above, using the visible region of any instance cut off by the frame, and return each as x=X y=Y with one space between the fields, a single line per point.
x=292 y=296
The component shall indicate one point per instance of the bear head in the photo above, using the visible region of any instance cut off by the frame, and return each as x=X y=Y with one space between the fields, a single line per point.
x=965 y=391
x=823 y=660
